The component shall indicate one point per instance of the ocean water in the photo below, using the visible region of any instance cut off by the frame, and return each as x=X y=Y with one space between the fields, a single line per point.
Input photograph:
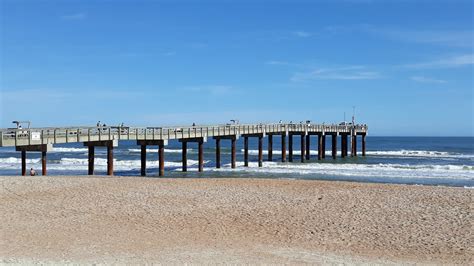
x=408 y=160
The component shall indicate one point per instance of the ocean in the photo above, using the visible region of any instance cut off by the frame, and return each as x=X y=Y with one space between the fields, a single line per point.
x=447 y=161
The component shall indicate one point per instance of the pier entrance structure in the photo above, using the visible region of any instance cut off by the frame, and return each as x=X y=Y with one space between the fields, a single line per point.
x=43 y=139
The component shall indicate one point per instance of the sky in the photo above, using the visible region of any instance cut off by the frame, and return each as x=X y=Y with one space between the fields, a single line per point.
x=406 y=66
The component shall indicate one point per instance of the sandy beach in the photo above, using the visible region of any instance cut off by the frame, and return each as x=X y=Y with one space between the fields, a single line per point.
x=142 y=220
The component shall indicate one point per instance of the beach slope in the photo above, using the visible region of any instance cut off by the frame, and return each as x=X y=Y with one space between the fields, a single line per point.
x=140 y=220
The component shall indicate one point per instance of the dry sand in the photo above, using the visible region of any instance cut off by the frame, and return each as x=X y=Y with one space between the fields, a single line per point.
x=142 y=220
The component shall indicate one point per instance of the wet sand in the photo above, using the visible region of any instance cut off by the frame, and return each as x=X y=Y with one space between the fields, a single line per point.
x=144 y=220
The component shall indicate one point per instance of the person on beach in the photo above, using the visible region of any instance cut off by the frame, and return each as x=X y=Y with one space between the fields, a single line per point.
x=32 y=172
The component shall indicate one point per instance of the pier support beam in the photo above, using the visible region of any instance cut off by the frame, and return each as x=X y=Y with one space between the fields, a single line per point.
x=184 y=156
x=43 y=163
x=270 y=148
x=233 y=140
x=110 y=144
x=343 y=145
x=290 y=147
x=363 y=144
x=143 y=160
x=260 y=147
x=233 y=151
x=246 y=151
x=90 y=168
x=323 y=155
x=320 y=146
x=334 y=145
x=218 y=153
x=43 y=148
x=303 y=147
x=161 y=154
x=200 y=156
x=184 y=152
x=110 y=159
x=308 y=147
x=353 y=145
x=283 y=148
x=23 y=163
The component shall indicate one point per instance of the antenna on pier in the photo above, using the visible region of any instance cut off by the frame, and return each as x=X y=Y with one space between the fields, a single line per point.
x=344 y=117
x=353 y=115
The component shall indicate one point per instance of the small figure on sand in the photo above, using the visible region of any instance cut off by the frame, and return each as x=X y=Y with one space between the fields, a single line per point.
x=32 y=172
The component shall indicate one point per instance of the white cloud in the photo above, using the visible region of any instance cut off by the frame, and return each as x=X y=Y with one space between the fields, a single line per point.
x=458 y=38
x=76 y=16
x=423 y=79
x=455 y=61
x=170 y=53
x=212 y=89
x=341 y=73
x=302 y=34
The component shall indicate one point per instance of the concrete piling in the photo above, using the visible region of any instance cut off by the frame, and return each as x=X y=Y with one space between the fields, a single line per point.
x=290 y=148
x=246 y=151
x=270 y=148
x=23 y=163
x=218 y=153
x=308 y=147
x=303 y=147
x=90 y=168
x=283 y=148
x=143 y=160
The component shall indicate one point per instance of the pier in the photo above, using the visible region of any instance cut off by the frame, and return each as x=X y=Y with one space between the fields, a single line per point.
x=43 y=139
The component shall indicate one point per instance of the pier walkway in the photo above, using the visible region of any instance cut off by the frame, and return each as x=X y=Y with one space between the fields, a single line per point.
x=43 y=139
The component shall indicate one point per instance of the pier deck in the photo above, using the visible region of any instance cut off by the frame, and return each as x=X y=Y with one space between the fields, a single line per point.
x=43 y=139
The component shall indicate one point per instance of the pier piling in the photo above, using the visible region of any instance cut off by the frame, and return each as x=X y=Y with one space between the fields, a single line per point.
x=308 y=147
x=246 y=151
x=363 y=144
x=290 y=148
x=43 y=163
x=23 y=163
x=90 y=168
x=233 y=151
x=283 y=148
x=200 y=156
x=218 y=153
x=161 y=155
x=184 y=157
x=323 y=149
x=110 y=159
x=320 y=146
x=303 y=147
x=260 y=151
x=334 y=145
x=343 y=145
x=270 y=147
x=143 y=160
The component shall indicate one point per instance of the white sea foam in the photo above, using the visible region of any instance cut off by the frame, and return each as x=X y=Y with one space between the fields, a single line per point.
x=156 y=150
x=63 y=149
x=82 y=164
x=16 y=161
x=399 y=153
x=367 y=170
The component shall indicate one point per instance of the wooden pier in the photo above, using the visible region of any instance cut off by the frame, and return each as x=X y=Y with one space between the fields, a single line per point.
x=43 y=139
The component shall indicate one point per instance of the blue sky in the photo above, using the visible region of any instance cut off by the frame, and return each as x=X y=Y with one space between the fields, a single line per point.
x=407 y=66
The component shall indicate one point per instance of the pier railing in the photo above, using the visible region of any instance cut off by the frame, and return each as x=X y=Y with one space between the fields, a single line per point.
x=38 y=136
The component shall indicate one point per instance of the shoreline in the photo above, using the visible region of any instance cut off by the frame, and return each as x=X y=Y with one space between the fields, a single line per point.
x=238 y=220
